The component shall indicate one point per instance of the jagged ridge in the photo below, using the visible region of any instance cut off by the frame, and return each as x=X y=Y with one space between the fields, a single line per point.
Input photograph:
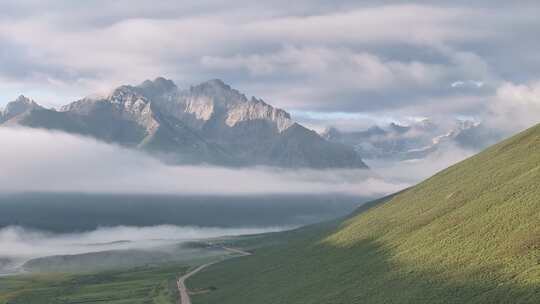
x=207 y=123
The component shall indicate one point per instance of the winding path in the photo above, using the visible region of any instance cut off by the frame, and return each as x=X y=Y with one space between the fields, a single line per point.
x=181 y=282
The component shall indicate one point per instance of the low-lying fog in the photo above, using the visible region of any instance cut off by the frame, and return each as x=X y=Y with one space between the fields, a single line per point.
x=18 y=244
x=42 y=161
x=45 y=161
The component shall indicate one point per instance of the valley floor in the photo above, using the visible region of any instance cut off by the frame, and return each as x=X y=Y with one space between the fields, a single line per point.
x=151 y=284
x=156 y=285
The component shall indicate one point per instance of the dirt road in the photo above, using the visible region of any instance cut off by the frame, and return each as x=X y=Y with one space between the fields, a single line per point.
x=235 y=250
x=181 y=282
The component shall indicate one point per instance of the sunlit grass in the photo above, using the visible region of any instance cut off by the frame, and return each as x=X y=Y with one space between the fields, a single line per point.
x=470 y=234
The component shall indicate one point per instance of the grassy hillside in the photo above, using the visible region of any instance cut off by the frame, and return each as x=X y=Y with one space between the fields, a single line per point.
x=470 y=234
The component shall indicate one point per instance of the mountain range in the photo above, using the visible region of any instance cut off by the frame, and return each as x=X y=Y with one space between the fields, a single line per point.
x=210 y=123
x=414 y=141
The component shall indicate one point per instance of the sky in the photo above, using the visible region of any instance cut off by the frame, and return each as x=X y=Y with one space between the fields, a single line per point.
x=316 y=59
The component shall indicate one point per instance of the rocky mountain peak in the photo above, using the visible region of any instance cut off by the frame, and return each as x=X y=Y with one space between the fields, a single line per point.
x=217 y=84
x=128 y=100
x=23 y=99
x=125 y=102
x=126 y=94
x=159 y=82
x=207 y=123
x=331 y=133
x=157 y=88
x=19 y=106
x=217 y=101
x=257 y=109
x=218 y=92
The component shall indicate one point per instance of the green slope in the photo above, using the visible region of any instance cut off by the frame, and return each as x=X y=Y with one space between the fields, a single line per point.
x=470 y=234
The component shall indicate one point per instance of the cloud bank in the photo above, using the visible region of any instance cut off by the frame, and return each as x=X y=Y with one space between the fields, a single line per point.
x=42 y=161
x=20 y=243
x=415 y=170
x=514 y=107
x=342 y=56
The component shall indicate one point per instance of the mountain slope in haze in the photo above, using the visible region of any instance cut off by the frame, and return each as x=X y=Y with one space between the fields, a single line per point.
x=126 y=118
x=298 y=145
x=469 y=234
x=207 y=123
x=18 y=106
x=415 y=141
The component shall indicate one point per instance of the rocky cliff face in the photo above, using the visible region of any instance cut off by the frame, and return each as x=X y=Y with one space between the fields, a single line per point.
x=207 y=123
x=212 y=102
x=234 y=108
x=129 y=117
x=124 y=104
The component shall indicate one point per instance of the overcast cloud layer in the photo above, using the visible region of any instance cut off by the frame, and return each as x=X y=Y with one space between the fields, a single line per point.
x=424 y=58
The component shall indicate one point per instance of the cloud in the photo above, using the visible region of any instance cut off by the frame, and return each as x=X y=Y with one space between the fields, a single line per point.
x=354 y=69
x=467 y=84
x=514 y=107
x=19 y=244
x=413 y=171
x=340 y=79
x=41 y=161
x=372 y=60
x=310 y=55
